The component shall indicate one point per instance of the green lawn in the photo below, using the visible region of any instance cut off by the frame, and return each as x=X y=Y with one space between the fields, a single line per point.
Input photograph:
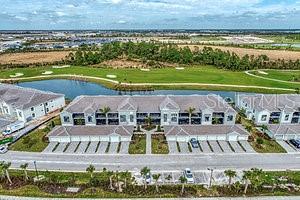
x=195 y=74
x=159 y=144
x=35 y=141
x=285 y=75
x=138 y=144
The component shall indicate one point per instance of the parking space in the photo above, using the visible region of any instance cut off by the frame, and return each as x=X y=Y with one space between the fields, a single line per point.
x=200 y=177
x=172 y=147
x=205 y=147
x=124 y=147
x=50 y=147
x=61 y=147
x=82 y=147
x=92 y=148
x=184 y=147
x=247 y=146
x=215 y=146
x=113 y=147
x=102 y=147
x=72 y=147
x=236 y=147
x=287 y=146
x=225 y=146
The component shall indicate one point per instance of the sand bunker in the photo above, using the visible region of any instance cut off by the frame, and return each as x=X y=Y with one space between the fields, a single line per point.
x=47 y=72
x=179 y=68
x=111 y=76
x=262 y=72
x=145 y=70
x=60 y=67
x=16 y=75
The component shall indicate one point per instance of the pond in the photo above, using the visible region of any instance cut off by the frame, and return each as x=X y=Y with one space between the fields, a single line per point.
x=286 y=45
x=74 y=88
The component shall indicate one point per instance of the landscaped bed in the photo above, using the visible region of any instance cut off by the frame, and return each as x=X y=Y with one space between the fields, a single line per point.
x=35 y=141
x=159 y=144
x=138 y=144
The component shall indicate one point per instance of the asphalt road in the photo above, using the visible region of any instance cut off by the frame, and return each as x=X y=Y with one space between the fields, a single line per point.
x=73 y=162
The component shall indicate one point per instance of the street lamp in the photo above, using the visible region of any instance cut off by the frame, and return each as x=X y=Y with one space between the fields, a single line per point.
x=211 y=176
x=36 y=171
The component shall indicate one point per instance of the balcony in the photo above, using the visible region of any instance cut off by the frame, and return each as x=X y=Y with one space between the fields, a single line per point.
x=78 y=116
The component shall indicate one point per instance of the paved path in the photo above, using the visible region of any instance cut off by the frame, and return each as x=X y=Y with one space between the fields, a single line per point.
x=202 y=198
x=148 y=142
x=77 y=162
x=269 y=79
x=145 y=84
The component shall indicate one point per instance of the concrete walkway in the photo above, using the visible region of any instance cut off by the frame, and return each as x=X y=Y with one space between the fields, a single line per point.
x=209 y=198
x=148 y=142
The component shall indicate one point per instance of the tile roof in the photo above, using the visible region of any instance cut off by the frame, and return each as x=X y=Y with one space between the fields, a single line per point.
x=284 y=129
x=150 y=103
x=91 y=131
x=204 y=130
x=24 y=98
x=272 y=103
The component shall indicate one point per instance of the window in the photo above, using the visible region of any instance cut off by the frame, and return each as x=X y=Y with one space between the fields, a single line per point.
x=33 y=115
x=123 y=118
x=165 y=117
x=131 y=118
x=264 y=118
x=174 y=117
x=32 y=109
x=286 y=117
x=206 y=118
x=230 y=118
x=90 y=119
x=66 y=119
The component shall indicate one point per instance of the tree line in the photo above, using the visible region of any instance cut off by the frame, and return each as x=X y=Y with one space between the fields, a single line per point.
x=171 y=53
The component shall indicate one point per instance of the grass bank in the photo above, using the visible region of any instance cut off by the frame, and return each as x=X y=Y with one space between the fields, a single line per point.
x=36 y=140
x=207 y=78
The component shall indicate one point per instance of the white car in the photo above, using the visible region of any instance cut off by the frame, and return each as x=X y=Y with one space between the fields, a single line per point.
x=3 y=149
x=188 y=175
x=148 y=178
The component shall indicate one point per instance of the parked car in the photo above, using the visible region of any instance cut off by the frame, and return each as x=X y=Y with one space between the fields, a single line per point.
x=3 y=149
x=148 y=178
x=189 y=175
x=296 y=143
x=194 y=143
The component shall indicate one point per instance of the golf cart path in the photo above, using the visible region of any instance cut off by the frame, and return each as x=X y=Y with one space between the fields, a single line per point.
x=269 y=79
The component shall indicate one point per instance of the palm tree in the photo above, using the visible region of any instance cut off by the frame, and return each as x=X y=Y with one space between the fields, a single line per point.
x=105 y=110
x=156 y=177
x=144 y=173
x=246 y=179
x=190 y=110
x=230 y=174
x=90 y=169
x=5 y=166
x=24 y=168
x=183 y=181
x=148 y=121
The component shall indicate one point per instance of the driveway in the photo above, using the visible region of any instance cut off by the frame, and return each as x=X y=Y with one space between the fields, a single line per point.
x=184 y=148
x=172 y=147
x=50 y=147
x=92 y=148
x=102 y=147
x=72 y=147
x=215 y=146
x=113 y=147
x=287 y=146
x=124 y=147
x=61 y=147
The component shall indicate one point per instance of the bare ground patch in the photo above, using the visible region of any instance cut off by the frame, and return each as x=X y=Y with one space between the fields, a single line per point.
x=33 y=57
x=272 y=54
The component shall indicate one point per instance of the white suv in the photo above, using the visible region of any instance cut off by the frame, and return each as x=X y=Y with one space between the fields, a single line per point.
x=189 y=175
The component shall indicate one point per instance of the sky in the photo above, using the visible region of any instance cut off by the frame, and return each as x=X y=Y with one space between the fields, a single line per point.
x=149 y=14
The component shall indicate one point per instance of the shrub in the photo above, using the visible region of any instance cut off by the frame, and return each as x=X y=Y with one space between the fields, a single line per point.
x=259 y=141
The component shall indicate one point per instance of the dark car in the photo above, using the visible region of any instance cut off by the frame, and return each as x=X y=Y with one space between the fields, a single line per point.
x=194 y=143
x=296 y=143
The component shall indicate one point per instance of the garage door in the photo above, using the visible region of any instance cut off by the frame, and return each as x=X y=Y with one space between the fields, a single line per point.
x=279 y=137
x=289 y=137
x=182 y=138
x=221 y=137
x=115 y=138
x=202 y=138
x=232 y=137
x=212 y=137
x=75 y=139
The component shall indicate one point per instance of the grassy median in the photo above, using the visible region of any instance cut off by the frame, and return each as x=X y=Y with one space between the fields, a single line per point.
x=137 y=144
